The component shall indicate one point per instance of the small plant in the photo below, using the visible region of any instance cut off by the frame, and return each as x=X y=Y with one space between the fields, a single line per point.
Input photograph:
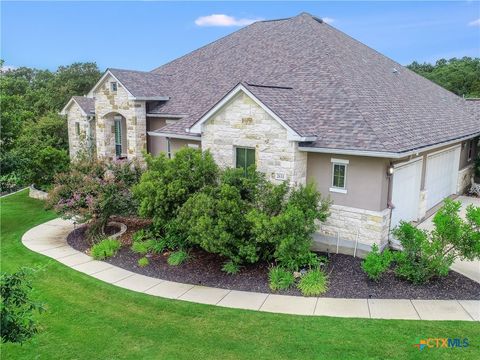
x=313 y=283
x=143 y=262
x=17 y=307
x=105 y=249
x=158 y=246
x=376 y=263
x=280 y=279
x=142 y=247
x=177 y=258
x=231 y=268
x=139 y=235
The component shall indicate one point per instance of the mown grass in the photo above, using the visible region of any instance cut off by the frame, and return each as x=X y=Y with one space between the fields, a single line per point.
x=88 y=319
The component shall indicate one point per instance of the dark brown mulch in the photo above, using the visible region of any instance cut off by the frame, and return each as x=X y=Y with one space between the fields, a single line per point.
x=346 y=278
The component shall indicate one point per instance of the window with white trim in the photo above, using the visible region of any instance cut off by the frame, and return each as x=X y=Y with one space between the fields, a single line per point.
x=169 y=149
x=113 y=86
x=244 y=157
x=339 y=175
x=77 y=128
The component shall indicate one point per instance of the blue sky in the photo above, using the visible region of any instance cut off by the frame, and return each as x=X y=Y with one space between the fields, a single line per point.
x=144 y=35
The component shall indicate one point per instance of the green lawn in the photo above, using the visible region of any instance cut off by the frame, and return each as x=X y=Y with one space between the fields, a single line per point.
x=87 y=319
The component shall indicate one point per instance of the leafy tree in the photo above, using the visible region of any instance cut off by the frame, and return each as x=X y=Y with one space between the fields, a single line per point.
x=429 y=254
x=27 y=96
x=17 y=308
x=460 y=76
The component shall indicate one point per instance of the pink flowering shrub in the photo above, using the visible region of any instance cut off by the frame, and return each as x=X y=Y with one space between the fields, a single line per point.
x=93 y=191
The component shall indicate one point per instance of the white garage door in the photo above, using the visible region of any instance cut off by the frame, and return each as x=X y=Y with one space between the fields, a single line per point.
x=441 y=175
x=406 y=192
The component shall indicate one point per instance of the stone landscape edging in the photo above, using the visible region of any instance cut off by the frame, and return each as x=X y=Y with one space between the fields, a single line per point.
x=49 y=239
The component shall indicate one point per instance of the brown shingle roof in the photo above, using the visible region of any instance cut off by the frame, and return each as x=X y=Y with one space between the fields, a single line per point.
x=85 y=103
x=331 y=86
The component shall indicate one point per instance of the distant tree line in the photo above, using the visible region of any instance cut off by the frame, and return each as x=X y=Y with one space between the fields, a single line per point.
x=33 y=136
x=460 y=76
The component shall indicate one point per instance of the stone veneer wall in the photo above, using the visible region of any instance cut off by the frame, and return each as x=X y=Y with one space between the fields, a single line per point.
x=464 y=179
x=243 y=123
x=76 y=142
x=352 y=227
x=107 y=105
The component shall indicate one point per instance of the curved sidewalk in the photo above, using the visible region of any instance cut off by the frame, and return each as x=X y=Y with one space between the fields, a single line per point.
x=49 y=239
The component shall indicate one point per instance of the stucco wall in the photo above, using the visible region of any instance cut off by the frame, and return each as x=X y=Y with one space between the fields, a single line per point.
x=366 y=180
x=107 y=104
x=242 y=123
x=76 y=142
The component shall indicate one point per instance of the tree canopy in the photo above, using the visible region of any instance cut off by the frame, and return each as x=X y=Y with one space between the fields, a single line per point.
x=460 y=76
x=33 y=136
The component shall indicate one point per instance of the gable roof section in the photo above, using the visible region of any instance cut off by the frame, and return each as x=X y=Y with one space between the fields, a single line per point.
x=86 y=105
x=140 y=85
x=245 y=88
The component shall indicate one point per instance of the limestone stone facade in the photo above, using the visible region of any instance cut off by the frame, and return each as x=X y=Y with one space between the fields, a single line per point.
x=109 y=104
x=79 y=134
x=243 y=123
x=354 y=230
x=464 y=179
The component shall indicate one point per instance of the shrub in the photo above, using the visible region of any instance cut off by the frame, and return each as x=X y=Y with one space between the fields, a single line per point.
x=429 y=254
x=10 y=183
x=280 y=279
x=142 y=247
x=376 y=263
x=94 y=191
x=313 y=283
x=168 y=183
x=231 y=268
x=17 y=307
x=142 y=262
x=105 y=249
x=46 y=164
x=215 y=221
x=177 y=258
x=288 y=235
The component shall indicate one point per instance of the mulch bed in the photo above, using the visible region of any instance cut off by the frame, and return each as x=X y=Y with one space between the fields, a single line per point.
x=346 y=278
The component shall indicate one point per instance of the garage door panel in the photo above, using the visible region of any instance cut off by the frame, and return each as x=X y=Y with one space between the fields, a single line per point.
x=441 y=175
x=406 y=184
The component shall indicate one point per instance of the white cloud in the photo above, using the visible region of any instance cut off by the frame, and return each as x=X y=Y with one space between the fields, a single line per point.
x=328 y=20
x=6 y=68
x=223 y=20
x=474 y=23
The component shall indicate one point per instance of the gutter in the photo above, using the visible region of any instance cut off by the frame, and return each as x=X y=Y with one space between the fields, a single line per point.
x=385 y=154
x=149 y=98
x=174 y=136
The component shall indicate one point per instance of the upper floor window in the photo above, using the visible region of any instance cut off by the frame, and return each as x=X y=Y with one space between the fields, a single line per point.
x=77 y=128
x=470 y=149
x=244 y=158
x=339 y=175
x=113 y=86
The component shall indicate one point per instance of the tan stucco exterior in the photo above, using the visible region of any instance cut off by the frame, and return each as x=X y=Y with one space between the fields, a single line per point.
x=366 y=180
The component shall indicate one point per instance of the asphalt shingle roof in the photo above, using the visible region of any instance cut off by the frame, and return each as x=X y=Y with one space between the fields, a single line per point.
x=318 y=80
x=85 y=103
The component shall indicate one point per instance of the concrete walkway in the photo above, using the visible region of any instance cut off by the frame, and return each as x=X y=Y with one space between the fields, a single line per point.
x=50 y=239
x=470 y=269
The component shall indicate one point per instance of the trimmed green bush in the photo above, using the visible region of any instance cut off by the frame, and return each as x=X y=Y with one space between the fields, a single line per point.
x=231 y=268
x=280 y=279
x=375 y=263
x=143 y=262
x=313 y=283
x=105 y=249
x=177 y=258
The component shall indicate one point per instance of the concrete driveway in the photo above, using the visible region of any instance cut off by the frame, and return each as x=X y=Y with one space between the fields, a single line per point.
x=470 y=269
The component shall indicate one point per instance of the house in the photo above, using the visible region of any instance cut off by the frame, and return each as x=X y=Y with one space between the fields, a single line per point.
x=303 y=101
